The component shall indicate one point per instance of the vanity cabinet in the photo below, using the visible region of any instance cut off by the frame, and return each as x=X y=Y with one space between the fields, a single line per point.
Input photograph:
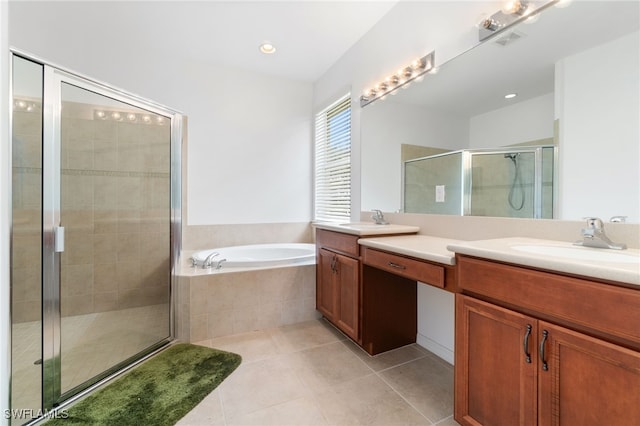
x=338 y=280
x=338 y=292
x=537 y=348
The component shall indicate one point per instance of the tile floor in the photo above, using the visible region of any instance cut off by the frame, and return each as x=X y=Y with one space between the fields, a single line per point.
x=310 y=374
x=91 y=343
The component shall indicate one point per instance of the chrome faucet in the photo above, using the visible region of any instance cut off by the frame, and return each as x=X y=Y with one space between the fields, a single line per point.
x=593 y=236
x=378 y=217
x=207 y=262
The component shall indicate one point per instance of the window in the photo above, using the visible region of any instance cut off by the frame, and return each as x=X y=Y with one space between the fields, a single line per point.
x=333 y=162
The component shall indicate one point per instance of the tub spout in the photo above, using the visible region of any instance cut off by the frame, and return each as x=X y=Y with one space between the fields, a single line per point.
x=209 y=260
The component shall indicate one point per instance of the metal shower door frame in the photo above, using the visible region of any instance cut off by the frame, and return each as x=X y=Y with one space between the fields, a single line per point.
x=52 y=234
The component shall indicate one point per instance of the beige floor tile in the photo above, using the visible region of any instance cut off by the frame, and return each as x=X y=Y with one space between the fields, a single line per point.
x=302 y=411
x=251 y=346
x=260 y=384
x=207 y=412
x=325 y=366
x=304 y=335
x=367 y=401
x=426 y=383
x=387 y=359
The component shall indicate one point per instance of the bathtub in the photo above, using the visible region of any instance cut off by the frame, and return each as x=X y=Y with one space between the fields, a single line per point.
x=257 y=287
x=256 y=256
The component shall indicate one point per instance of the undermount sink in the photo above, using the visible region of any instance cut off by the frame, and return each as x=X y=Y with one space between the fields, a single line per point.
x=578 y=253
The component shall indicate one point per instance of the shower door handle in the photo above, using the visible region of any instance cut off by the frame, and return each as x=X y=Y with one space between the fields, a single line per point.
x=58 y=237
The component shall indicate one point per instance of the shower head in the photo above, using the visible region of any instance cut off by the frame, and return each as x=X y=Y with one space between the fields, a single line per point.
x=512 y=156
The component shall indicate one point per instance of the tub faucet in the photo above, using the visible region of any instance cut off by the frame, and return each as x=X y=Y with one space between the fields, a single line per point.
x=378 y=217
x=209 y=260
x=593 y=236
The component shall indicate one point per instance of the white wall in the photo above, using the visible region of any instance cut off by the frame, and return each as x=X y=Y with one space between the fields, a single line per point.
x=525 y=121
x=594 y=98
x=249 y=152
x=5 y=182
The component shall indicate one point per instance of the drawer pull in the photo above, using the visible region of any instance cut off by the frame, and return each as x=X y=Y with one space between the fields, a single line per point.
x=527 y=354
x=334 y=264
x=545 y=334
x=397 y=266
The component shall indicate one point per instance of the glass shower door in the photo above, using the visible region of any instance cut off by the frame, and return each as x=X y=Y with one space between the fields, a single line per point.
x=109 y=222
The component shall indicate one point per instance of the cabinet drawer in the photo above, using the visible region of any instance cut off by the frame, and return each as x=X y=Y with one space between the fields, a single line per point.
x=344 y=243
x=606 y=310
x=406 y=267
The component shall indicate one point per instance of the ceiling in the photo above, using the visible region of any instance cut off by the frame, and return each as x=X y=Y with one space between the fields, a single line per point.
x=310 y=36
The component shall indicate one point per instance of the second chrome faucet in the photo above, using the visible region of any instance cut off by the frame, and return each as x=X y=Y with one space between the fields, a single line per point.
x=378 y=217
x=593 y=236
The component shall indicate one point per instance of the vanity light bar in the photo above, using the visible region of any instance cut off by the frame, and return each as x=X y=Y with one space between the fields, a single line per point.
x=512 y=11
x=405 y=75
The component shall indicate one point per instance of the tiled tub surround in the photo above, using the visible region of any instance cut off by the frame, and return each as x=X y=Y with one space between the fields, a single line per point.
x=215 y=303
x=201 y=237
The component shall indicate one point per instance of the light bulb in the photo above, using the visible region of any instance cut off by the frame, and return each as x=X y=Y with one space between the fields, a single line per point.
x=116 y=116
x=146 y=119
x=481 y=19
x=267 y=48
x=100 y=114
x=131 y=117
x=392 y=80
x=518 y=7
x=417 y=64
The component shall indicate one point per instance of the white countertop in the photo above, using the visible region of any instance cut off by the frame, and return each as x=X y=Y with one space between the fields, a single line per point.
x=595 y=264
x=418 y=246
x=367 y=228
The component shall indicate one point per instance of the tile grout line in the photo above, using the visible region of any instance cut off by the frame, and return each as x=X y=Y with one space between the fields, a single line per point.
x=405 y=399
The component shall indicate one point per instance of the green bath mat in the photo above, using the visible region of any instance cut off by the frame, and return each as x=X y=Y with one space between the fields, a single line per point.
x=159 y=391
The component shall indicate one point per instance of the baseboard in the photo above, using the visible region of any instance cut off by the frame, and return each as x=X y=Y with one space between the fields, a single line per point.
x=435 y=347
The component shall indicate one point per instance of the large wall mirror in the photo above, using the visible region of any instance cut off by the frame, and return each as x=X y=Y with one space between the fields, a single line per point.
x=576 y=75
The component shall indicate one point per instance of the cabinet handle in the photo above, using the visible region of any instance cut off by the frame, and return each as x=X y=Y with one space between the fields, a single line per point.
x=545 y=334
x=334 y=260
x=395 y=265
x=525 y=343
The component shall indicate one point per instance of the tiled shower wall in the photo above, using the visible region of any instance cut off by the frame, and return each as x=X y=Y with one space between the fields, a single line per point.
x=115 y=205
x=27 y=213
x=115 y=210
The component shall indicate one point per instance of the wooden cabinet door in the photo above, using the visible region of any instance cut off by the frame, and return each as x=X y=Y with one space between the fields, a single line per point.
x=495 y=379
x=586 y=381
x=348 y=318
x=327 y=285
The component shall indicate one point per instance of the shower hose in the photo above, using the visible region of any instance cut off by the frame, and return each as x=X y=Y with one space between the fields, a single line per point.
x=516 y=186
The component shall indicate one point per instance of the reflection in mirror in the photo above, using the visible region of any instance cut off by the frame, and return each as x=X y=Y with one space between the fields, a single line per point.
x=516 y=182
x=577 y=87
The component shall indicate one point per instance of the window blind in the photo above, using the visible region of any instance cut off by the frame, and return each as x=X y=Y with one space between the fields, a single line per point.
x=333 y=162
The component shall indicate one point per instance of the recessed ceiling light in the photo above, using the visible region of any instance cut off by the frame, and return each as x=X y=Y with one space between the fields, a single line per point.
x=267 y=48
x=510 y=95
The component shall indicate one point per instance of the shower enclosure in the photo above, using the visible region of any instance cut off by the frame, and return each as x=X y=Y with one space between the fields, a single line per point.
x=95 y=231
x=508 y=182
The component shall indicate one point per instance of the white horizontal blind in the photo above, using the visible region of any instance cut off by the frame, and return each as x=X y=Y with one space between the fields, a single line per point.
x=333 y=162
